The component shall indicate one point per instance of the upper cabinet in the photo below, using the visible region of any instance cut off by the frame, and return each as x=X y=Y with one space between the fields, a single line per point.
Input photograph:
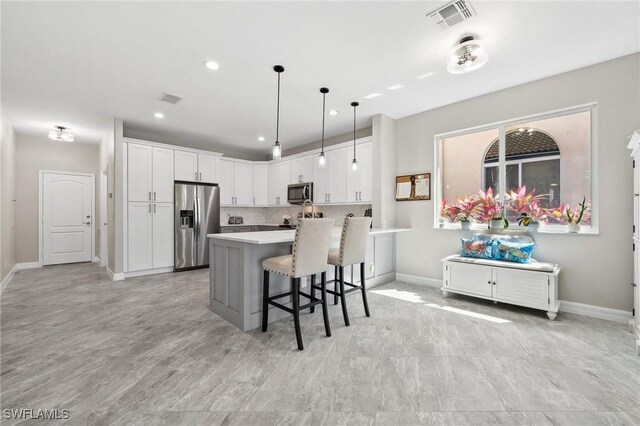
x=360 y=181
x=260 y=185
x=235 y=180
x=195 y=167
x=149 y=173
x=279 y=179
x=301 y=169
x=330 y=181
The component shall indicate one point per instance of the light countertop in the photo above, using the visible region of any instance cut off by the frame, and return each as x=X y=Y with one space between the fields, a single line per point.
x=275 y=237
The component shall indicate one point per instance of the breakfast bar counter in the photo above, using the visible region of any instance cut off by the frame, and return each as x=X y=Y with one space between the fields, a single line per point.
x=235 y=275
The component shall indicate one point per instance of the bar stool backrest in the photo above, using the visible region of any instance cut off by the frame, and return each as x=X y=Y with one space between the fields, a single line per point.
x=311 y=246
x=353 y=242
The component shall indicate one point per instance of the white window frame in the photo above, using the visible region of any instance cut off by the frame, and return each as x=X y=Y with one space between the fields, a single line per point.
x=501 y=126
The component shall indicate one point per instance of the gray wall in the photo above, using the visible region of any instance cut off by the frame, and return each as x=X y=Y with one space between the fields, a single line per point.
x=596 y=269
x=7 y=198
x=39 y=153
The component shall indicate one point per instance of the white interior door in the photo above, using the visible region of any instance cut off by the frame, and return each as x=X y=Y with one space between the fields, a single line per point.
x=67 y=218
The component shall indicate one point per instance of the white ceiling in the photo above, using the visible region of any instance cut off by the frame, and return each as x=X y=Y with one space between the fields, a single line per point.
x=80 y=63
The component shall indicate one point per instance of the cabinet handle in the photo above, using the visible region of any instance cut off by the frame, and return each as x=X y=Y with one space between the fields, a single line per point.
x=254 y=201
x=360 y=195
x=154 y=208
x=154 y=195
x=149 y=208
x=200 y=176
x=196 y=176
x=489 y=282
x=149 y=195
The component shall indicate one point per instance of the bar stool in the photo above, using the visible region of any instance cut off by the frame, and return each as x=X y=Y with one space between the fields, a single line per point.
x=352 y=251
x=310 y=249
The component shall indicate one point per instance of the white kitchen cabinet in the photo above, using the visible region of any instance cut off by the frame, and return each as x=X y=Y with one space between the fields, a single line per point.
x=360 y=181
x=279 y=175
x=186 y=166
x=208 y=168
x=235 y=180
x=302 y=169
x=260 y=184
x=139 y=172
x=149 y=173
x=225 y=181
x=330 y=181
x=140 y=224
x=162 y=235
x=195 y=167
x=150 y=235
x=162 y=165
x=531 y=285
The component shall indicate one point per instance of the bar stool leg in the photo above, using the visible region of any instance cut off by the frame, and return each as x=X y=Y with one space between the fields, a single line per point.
x=343 y=298
x=335 y=285
x=265 y=300
x=313 y=292
x=295 y=295
x=364 y=291
x=325 y=310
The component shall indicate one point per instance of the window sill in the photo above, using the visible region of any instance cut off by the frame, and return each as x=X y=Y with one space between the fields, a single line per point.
x=551 y=229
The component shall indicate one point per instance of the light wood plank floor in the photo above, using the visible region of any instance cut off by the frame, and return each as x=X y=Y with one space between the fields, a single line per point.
x=148 y=351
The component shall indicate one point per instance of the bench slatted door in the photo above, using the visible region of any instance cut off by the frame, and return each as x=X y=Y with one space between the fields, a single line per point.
x=524 y=288
x=474 y=279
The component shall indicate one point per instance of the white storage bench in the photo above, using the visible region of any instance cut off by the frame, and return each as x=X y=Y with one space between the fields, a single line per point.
x=533 y=284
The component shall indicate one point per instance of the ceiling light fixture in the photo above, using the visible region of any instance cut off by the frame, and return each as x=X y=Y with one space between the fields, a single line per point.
x=277 y=149
x=322 y=160
x=261 y=138
x=373 y=95
x=354 y=163
x=158 y=115
x=469 y=55
x=427 y=75
x=61 y=134
x=395 y=87
x=211 y=65
x=334 y=112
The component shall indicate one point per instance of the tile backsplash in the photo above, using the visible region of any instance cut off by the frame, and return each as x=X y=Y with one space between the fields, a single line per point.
x=273 y=215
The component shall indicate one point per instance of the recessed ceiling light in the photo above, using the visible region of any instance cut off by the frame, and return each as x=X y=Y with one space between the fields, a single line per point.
x=427 y=75
x=334 y=112
x=395 y=87
x=373 y=95
x=212 y=65
x=261 y=138
x=158 y=115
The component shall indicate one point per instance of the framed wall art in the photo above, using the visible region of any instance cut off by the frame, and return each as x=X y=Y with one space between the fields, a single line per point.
x=416 y=187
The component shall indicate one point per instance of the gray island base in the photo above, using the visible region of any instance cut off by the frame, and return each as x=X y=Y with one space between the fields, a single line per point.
x=235 y=276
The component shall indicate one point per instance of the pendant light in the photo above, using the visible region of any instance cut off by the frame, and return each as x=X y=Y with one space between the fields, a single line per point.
x=322 y=160
x=354 y=163
x=277 y=150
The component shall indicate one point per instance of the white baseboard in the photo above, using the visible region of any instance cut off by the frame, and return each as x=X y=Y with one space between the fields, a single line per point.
x=415 y=279
x=595 y=311
x=28 y=265
x=148 y=272
x=8 y=278
x=115 y=277
x=565 y=306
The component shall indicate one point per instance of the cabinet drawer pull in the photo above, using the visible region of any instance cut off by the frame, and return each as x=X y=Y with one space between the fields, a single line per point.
x=149 y=208
x=154 y=195
x=149 y=195
x=154 y=208
x=200 y=176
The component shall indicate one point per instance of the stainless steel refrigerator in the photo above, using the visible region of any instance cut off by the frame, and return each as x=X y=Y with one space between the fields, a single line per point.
x=197 y=213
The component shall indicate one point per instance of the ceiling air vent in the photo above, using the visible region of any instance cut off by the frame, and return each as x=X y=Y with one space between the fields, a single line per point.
x=452 y=13
x=168 y=97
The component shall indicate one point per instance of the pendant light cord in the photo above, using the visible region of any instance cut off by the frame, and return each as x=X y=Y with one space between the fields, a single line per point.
x=323 y=114
x=278 y=112
x=354 y=130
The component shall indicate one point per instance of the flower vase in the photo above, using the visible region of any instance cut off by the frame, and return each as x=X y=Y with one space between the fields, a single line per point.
x=496 y=224
x=574 y=228
x=465 y=224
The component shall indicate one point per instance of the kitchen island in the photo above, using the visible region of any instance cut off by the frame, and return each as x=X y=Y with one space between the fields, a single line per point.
x=235 y=276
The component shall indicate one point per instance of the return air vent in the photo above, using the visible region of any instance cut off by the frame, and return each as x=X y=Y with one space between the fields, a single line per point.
x=169 y=98
x=453 y=13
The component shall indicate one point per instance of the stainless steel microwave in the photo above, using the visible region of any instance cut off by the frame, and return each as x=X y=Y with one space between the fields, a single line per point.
x=298 y=192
